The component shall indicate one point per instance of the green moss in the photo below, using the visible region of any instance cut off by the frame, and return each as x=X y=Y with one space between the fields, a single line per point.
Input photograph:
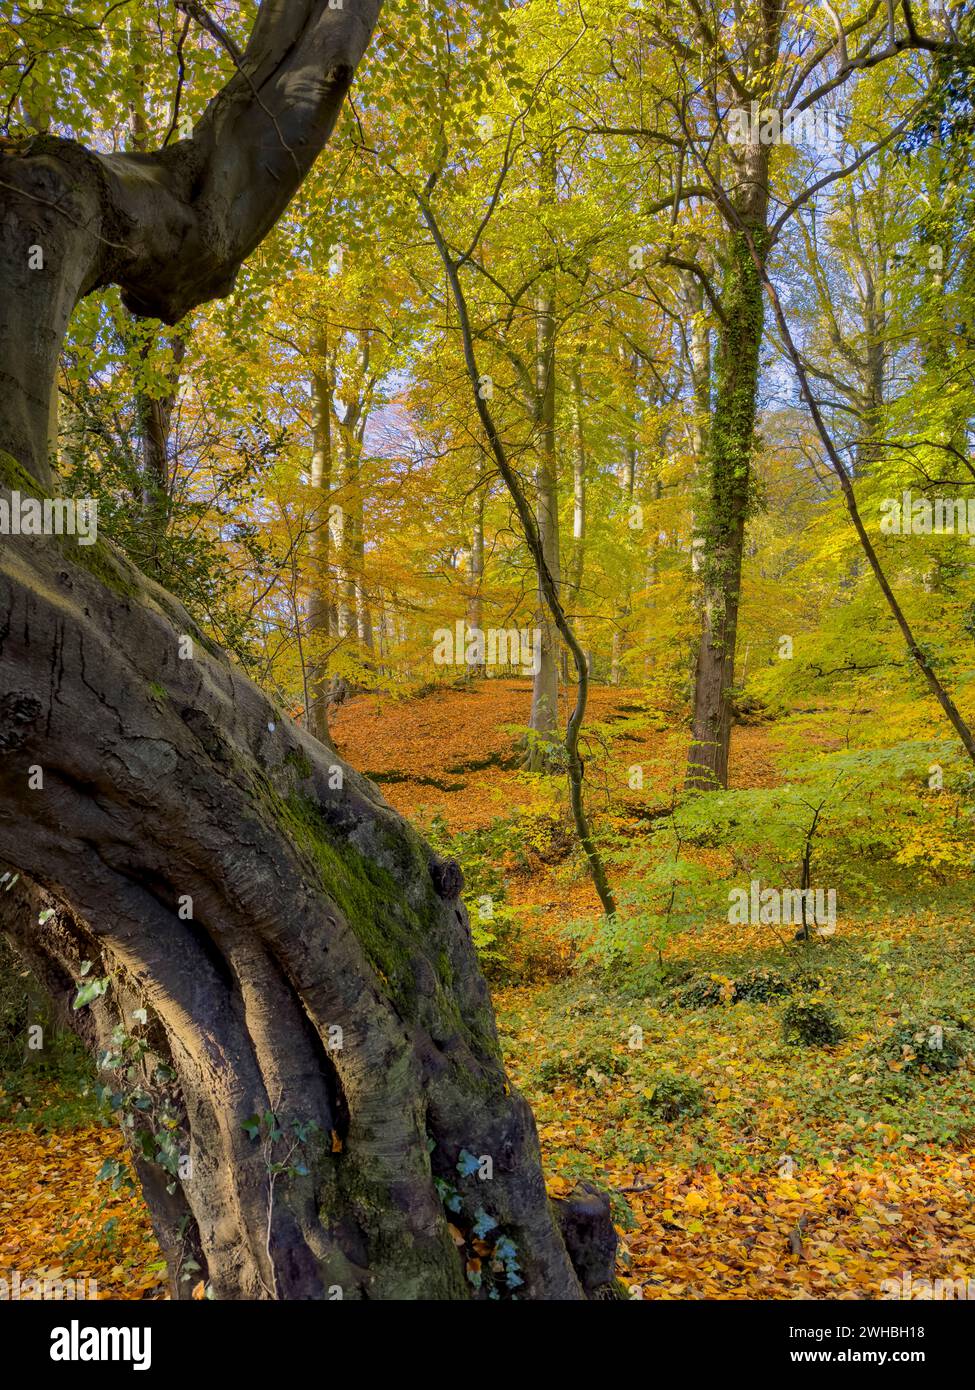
x=299 y=762
x=387 y=897
x=15 y=476
x=157 y=691
x=100 y=561
x=390 y=904
x=445 y=970
x=731 y=495
x=370 y=899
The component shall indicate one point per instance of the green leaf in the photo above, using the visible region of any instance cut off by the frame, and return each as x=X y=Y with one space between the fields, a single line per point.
x=90 y=991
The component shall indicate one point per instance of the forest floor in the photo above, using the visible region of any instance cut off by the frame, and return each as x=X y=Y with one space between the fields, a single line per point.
x=740 y=1166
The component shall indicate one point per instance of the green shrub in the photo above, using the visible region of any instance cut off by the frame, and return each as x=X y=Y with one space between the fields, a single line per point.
x=922 y=1047
x=585 y=1067
x=703 y=993
x=759 y=986
x=810 y=1022
x=805 y=982
x=674 y=1098
x=479 y=854
x=49 y=1087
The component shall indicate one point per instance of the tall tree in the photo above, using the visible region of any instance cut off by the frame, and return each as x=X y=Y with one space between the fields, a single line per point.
x=719 y=134
x=321 y=609
x=545 y=685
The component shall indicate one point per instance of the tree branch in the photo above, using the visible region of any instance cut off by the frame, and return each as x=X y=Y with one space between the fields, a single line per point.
x=192 y=212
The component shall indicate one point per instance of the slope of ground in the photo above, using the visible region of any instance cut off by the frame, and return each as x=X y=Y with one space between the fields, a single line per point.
x=773 y=1170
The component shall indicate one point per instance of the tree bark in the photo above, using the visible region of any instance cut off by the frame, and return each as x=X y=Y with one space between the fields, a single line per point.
x=172 y=785
x=577 y=553
x=354 y=617
x=545 y=685
x=577 y=563
x=729 y=445
x=627 y=485
x=155 y=416
x=475 y=577
x=319 y=588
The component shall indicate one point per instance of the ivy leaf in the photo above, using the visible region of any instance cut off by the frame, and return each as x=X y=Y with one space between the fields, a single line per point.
x=90 y=991
x=483 y=1224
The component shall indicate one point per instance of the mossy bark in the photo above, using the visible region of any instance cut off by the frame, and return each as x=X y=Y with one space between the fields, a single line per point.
x=726 y=496
x=298 y=950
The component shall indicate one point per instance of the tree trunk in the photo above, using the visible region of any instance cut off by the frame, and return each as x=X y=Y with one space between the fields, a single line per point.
x=729 y=445
x=354 y=617
x=319 y=588
x=545 y=685
x=577 y=554
x=318 y=1058
x=298 y=950
x=155 y=415
x=698 y=357
x=475 y=576
x=577 y=563
x=344 y=577
x=363 y=611
x=627 y=482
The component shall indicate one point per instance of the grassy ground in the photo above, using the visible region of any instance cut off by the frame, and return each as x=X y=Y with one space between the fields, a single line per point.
x=777 y=1171
x=742 y=1164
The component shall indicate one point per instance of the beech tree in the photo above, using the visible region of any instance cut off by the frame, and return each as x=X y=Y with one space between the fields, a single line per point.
x=741 y=77
x=276 y=972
